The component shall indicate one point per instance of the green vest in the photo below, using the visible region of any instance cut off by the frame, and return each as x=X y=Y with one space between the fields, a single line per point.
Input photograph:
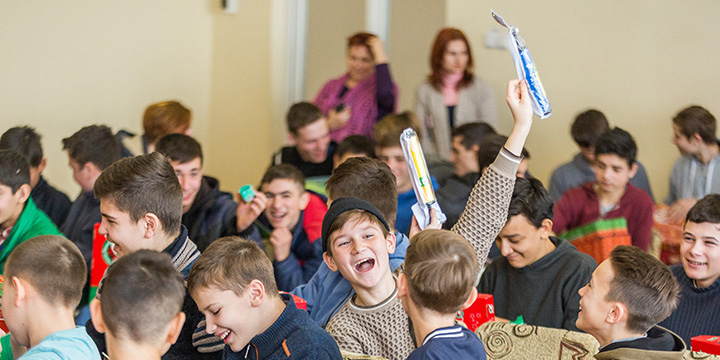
x=32 y=222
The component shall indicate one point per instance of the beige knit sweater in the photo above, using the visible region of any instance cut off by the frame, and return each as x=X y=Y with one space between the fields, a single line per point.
x=384 y=329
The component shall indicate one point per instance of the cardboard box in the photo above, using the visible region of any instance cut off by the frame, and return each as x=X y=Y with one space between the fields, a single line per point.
x=709 y=344
x=480 y=312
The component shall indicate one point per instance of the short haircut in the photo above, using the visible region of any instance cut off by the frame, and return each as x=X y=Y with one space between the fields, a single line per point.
x=302 y=114
x=356 y=144
x=95 y=144
x=440 y=267
x=143 y=184
x=165 y=118
x=356 y=216
x=361 y=39
x=443 y=38
x=696 y=120
x=531 y=200
x=644 y=284
x=283 y=171
x=53 y=265
x=473 y=133
x=141 y=293
x=619 y=142
x=180 y=148
x=24 y=140
x=490 y=149
x=14 y=169
x=367 y=179
x=588 y=126
x=388 y=130
x=706 y=210
x=231 y=263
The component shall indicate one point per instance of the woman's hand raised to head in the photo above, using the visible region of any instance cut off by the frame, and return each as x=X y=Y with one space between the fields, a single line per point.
x=377 y=47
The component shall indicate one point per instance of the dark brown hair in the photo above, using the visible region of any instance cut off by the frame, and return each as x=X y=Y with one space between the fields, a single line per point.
x=141 y=293
x=14 y=169
x=443 y=38
x=283 y=171
x=143 y=184
x=53 y=265
x=231 y=263
x=302 y=114
x=25 y=141
x=95 y=144
x=644 y=284
x=180 y=148
x=588 y=126
x=696 y=120
x=367 y=179
x=164 y=118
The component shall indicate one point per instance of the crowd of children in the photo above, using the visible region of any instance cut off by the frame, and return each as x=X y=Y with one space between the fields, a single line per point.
x=324 y=257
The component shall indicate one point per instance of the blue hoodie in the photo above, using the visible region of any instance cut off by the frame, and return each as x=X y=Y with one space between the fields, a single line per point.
x=327 y=291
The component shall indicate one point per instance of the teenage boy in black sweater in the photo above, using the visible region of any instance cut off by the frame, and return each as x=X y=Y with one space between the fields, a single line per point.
x=538 y=276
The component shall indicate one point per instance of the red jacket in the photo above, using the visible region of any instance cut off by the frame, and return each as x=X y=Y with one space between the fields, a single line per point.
x=580 y=206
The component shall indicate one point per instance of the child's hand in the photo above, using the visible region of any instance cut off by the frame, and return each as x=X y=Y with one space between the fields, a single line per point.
x=281 y=238
x=518 y=99
x=434 y=224
x=247 y=213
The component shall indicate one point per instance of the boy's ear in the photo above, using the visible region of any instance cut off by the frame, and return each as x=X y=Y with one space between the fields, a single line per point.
x=329 y=261
x=176 y=325
x=23 y=192
x=43 y=164
x=402 y=286
x=471 y=299
x=633 y=169
x=618 y=313
x=152 y=225
x=256 y=291
x=390 y=242
x=96 y=316
x=546 y=228
x=304 y=200
x=291 y=139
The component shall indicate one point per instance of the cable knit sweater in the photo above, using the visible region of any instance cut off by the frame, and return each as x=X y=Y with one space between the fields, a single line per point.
x=384 y=329
x=698 y=312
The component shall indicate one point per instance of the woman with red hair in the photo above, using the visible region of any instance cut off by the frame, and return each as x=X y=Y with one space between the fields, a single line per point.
x=355 y=101
x=452 y=95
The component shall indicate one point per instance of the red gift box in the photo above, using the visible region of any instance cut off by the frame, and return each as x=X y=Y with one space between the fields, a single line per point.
x=2 y=318
x=300 y=303
x=709 y=344
x=480 y=312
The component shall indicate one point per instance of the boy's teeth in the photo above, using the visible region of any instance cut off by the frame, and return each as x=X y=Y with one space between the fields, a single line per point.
x=224 y=335
x=696 y=263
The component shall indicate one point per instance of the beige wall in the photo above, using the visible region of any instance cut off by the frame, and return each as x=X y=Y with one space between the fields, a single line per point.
x=64 y=66
x=640 y=62
x=69 y=64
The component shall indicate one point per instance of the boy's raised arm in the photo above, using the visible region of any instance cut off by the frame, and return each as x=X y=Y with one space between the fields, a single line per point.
x=486 y=210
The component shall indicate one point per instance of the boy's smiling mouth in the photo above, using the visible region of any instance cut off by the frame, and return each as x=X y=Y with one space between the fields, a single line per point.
x=224 y=335
x=364 y=265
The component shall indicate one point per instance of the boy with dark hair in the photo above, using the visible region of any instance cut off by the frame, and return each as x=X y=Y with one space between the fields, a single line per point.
x=289 y=243
x=538 y=275
x=699 y=273
x=26 y=141
x=357 y=243
x=437 y=281
x=453 y=194
x=141 y=205
x=387 y=133
x=629 y=293
x=208 y=213
x=43 y=284
x=585 y=131
x=492 y=144
x=308 y=132
x=611 y=195
x=20 y=219
x=90 y=150
x=145 y=282
x=370 y=180
x=692 y=176
x=353 y=146
x=234 y=286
